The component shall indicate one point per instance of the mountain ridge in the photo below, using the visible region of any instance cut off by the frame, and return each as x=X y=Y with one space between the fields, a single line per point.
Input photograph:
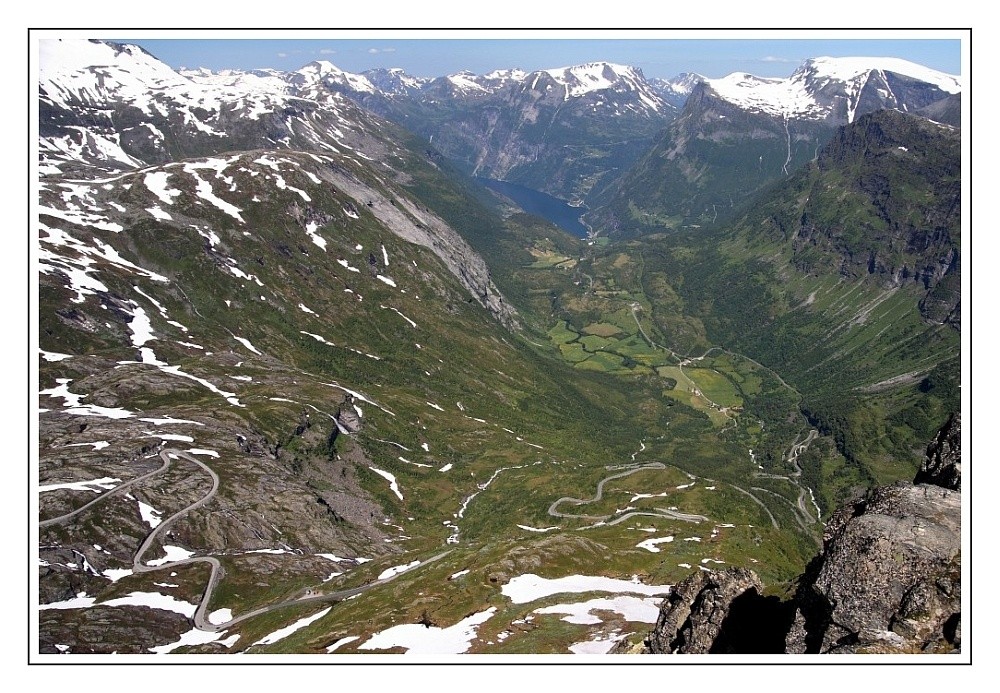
x=739 y=134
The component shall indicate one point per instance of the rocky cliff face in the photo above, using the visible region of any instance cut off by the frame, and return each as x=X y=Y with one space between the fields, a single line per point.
x=943 y=464
x=889 y=578
x=719 y=612
x=564 y=131
x=740 y=134
x=880 y=203
x=887 y=581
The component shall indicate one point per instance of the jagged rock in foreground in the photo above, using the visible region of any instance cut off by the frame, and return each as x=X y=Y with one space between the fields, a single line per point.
x=887 y=581
x=719 y=612
x=889 y=578
x=943 y=464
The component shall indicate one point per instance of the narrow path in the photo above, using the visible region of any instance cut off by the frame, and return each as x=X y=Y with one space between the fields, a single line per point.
x=803 y=523
x=600 y=493
x=801 y=512
x=798 y=448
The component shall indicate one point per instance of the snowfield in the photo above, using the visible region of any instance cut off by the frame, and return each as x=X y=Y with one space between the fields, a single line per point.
x=417 y=638
x=529 y=587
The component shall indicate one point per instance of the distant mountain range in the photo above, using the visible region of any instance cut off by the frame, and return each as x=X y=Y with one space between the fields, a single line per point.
x=738 y=134
x=598 y=132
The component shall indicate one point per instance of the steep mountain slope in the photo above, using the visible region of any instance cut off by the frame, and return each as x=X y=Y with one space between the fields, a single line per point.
x=204 y=113
x=566 y=131
x=846 y=280
x=740 y=133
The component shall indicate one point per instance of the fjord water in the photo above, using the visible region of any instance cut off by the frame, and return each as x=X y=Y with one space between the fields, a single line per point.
x=559 y=212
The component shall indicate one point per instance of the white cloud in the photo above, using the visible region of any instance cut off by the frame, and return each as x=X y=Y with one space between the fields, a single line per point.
x=327 y=51
x=381 y=50
x=776 y=59
x=282 y=55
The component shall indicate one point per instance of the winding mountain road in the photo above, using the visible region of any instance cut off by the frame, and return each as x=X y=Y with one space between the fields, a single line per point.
x=661 y=512
x=217 y=572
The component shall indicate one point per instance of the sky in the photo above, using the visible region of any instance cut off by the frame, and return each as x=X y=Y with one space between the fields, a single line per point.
x=657 y=54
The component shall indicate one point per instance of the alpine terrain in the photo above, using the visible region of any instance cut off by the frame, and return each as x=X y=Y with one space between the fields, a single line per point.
x=306 y=385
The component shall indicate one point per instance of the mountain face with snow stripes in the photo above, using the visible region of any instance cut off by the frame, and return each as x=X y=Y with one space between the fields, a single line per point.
x=115 y=107
x=837 y=90
x=492 y=125
x=738 y=134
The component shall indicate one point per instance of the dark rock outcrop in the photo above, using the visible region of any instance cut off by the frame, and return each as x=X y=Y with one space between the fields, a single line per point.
x=887 y=581
x=943 y=464
x=889 y=577
x=347 y=417
x=720 y=612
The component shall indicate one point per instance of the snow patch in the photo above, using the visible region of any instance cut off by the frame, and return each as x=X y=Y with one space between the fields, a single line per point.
x=283 y=633
x=417 y=638
x=641 y=609
x=650 y=544
x=340 y=643
x=393 y=486
x=174 y=553
x=105 y=483
x=396 y=570
x=529 y=587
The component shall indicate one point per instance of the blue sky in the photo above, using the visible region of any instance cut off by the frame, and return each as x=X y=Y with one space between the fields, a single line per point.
x=434 y=56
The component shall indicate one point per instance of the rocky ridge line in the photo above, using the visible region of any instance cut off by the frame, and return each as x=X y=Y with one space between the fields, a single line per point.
x=888 y=581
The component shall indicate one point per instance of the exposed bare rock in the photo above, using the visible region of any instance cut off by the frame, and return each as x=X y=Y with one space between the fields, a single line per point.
x=943 y=464
x=719 y=612
x=420 y=226
x=347 y=417
x=101 y=630
x=887 y=581
x=889 y=578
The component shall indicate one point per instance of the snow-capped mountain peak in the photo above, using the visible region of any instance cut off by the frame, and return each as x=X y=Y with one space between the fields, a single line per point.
x=681 y=84
x=466 y=81
x=589 y=79
x=324 y=72
x=393 y=81
x=676 y=90
x=156 y=107
x=572 y=82
x=590 y=76
x=86 y=71
x=775 y=96
x=834 y=89
x=849 y=69
x=68 y=56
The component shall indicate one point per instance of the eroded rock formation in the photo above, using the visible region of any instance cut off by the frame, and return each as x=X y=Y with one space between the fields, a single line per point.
x=888 y=580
